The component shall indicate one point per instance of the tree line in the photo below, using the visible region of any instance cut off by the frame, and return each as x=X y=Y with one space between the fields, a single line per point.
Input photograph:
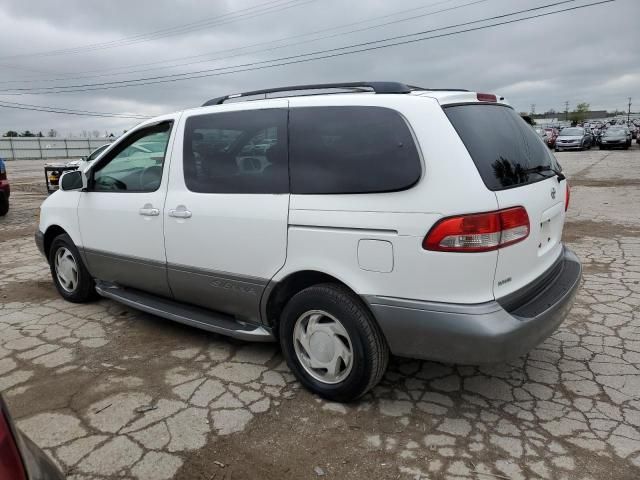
x=53 y=133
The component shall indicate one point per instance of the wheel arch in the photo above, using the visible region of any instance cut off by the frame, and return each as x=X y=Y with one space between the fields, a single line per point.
x=52 y=232
x=278 y=293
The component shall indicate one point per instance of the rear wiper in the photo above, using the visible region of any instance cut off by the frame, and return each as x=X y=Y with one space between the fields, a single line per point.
x=541 y=168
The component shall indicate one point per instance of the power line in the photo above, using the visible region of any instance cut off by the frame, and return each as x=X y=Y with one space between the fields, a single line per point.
x=267 y=43
x=68 y=111
x=295 y=59
x=249 y=12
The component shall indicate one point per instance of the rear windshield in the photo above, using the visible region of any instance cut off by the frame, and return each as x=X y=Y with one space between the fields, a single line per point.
x=502 y=145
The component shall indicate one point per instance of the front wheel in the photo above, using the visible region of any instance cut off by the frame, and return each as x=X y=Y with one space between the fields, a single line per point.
x=332 y=343
x=70 y=276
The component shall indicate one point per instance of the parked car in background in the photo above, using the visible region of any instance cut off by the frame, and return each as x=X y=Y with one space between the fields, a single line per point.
x=633 y=129
x=552 y=135
x=573 y=138
x=615 y=137
x=20 y=458
x=5 y=189
x=335 y=248
x=53 y=171
x=542 y=133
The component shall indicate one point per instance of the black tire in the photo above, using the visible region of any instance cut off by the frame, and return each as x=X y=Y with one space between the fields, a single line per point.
x=4 y=204
x=602 y=147
x=84 y=290
x=370 y=350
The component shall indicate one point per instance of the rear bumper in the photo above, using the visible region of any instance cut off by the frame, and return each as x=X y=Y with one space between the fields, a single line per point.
x=479 y=333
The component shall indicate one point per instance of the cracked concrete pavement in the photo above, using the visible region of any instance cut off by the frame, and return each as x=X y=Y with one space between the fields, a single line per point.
x=110 y=392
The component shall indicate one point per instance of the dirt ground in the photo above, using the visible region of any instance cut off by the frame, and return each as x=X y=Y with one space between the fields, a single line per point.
x=112 y=393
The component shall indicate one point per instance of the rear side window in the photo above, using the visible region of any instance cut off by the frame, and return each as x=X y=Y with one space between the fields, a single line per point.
x=351 y=150
x=502 y=145
x=237 y=152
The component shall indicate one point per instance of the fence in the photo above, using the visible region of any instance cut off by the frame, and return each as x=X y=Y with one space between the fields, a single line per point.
x=35 y=148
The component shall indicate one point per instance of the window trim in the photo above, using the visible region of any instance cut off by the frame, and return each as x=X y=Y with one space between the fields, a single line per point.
x=122 y=145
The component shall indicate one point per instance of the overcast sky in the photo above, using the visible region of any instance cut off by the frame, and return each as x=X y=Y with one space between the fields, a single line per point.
x=589 y=55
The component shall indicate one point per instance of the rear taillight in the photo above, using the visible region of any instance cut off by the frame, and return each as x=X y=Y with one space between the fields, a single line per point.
x=479 y=232
x=566 y=197
x=486 y=97
x=10 y=461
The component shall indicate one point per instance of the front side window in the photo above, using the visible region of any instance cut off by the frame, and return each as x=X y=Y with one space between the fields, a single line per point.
x=237 y=152
x=355 y=149
x=136 y=164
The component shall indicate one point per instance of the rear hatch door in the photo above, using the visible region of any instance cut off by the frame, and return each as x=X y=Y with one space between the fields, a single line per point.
x=506 y=151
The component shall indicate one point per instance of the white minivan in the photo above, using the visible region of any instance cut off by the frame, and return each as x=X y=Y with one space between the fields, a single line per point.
x=346 y=221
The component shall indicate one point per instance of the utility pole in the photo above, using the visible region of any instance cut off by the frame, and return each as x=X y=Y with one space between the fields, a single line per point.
x=629 y=111
x=566 y=110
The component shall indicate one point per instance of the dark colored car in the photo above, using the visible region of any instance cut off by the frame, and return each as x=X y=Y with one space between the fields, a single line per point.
x=615 y=137
x=5 y=189
x=20 y=458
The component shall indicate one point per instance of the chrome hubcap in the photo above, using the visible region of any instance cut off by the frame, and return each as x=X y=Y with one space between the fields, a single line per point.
x=66 y=269
x=323 y=346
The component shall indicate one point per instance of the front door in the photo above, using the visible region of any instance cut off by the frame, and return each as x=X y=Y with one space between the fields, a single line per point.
x=121 y=214
x=227 y=206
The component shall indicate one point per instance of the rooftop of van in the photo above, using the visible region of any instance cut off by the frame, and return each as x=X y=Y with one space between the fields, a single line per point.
x=442 y=95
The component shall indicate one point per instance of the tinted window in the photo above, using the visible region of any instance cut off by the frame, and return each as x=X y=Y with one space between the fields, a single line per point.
x=501 y=144
x=237 y=152
x=131 y=166
x=351 y=150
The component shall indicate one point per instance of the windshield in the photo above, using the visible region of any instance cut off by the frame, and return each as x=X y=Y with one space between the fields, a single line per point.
x=503 y=147
x=570 y=132
x=614 y=131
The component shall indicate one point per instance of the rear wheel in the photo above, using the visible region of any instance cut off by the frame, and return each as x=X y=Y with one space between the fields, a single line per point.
x=71 y=277
x=331 y=342
x=4 y=204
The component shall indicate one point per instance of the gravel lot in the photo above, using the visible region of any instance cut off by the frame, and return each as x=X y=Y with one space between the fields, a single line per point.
x=110 y=392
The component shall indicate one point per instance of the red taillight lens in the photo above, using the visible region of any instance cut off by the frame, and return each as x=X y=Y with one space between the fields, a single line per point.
x=479 y=232
x=566 y=198
x=486 y=97
x=10 y=461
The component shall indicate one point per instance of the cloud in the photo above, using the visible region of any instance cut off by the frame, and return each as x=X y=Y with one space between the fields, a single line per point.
x=587 y=55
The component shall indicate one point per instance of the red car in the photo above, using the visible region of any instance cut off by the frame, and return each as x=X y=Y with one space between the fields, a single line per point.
x=5 y=190
x=552 y=134
x=20 y=458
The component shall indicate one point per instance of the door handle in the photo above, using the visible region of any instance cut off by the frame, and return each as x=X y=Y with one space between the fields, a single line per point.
x=149 y=211
x=180 y=213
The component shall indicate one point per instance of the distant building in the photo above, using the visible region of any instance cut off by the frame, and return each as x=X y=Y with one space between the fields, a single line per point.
x=560 y=116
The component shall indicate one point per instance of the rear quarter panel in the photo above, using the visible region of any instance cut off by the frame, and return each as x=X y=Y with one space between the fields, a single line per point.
x=325 y=230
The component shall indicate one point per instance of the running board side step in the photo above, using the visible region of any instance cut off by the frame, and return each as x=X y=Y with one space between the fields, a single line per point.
x=189 y=315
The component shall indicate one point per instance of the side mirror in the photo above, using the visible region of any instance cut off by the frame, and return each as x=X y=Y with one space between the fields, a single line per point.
x=73 y=180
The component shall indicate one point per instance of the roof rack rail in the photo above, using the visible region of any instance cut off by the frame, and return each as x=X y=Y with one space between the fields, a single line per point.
x=377 y=87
